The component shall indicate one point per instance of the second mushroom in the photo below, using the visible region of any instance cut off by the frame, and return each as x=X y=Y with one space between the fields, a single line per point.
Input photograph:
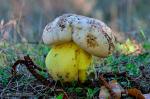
x=74 y=39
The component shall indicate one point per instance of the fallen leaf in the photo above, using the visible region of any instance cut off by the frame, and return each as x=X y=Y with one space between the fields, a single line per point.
x=104 y=93
x=116 y=88
x=135 y=93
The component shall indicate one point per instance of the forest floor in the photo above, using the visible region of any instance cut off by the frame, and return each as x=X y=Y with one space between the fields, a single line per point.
x=25 y=85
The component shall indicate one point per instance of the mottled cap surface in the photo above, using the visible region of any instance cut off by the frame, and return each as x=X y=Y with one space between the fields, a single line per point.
x=90 y=34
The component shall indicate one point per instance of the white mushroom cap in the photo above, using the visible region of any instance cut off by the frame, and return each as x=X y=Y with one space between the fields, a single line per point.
x=58 y=31
x=90 y=34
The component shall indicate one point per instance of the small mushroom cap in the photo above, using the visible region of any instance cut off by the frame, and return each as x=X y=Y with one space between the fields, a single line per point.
x=90 y=34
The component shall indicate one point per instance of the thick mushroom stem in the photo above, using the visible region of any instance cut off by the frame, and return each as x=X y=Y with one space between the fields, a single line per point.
x=67 y=62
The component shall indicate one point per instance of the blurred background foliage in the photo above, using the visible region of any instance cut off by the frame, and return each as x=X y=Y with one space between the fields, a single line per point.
x=24 y=20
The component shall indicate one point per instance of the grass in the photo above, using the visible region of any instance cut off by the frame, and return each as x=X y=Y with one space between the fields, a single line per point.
x=26 y=83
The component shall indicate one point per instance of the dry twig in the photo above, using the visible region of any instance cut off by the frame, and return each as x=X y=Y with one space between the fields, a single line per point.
x=31 y=67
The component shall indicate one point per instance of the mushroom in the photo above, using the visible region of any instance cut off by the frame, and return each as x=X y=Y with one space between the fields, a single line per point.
x=74 y=40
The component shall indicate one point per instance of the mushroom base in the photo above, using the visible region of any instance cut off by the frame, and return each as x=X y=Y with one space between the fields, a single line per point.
x=67 y=62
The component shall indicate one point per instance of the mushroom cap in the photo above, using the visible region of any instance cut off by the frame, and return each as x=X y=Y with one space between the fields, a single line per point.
x=90 y=34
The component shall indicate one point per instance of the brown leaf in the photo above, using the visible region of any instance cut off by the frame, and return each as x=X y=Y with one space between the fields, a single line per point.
x=135 y=93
